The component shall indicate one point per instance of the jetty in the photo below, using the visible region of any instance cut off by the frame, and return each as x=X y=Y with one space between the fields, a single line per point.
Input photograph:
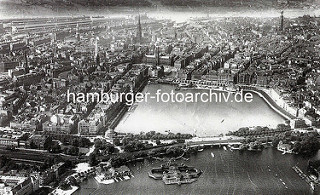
x=304 y=177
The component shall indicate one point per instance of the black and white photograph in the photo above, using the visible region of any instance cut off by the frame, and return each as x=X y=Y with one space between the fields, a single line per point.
x=159 y=97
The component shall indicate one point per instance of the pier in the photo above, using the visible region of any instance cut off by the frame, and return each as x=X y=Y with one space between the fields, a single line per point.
x=304 y=176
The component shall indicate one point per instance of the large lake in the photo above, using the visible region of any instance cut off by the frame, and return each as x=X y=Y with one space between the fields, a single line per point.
x=237 y=173
x=201 y=118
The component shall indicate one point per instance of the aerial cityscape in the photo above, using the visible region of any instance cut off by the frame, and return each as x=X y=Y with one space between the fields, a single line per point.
x=159 y=97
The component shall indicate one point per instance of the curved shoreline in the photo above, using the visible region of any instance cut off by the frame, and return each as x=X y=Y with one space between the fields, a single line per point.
x=272 y=104
x=275 y=108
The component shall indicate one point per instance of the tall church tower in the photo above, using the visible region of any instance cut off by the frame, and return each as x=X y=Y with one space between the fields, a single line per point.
x=139 y=33
x=281 y=21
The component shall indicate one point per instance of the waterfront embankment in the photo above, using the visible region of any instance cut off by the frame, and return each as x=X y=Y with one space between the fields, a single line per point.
x=259 y=91
x=269 y=101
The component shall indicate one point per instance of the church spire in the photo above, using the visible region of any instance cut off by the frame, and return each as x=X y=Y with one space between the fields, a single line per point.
x=281 y=21
x=139 y=33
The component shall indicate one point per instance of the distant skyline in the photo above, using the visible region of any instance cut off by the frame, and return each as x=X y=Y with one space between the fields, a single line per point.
x=156 y=8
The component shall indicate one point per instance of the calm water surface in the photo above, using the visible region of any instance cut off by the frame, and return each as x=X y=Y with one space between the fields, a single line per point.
x=201 y=118
x=239 y=173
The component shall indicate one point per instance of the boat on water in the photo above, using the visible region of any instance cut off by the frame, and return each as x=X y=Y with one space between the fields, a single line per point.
x=200 y=148
x=234 y=147
x=232 y=90
x=225 y=148
x=212 y=155
x=184 y=85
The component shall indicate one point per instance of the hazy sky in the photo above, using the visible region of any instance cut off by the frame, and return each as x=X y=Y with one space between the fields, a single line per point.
x=257 y=8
